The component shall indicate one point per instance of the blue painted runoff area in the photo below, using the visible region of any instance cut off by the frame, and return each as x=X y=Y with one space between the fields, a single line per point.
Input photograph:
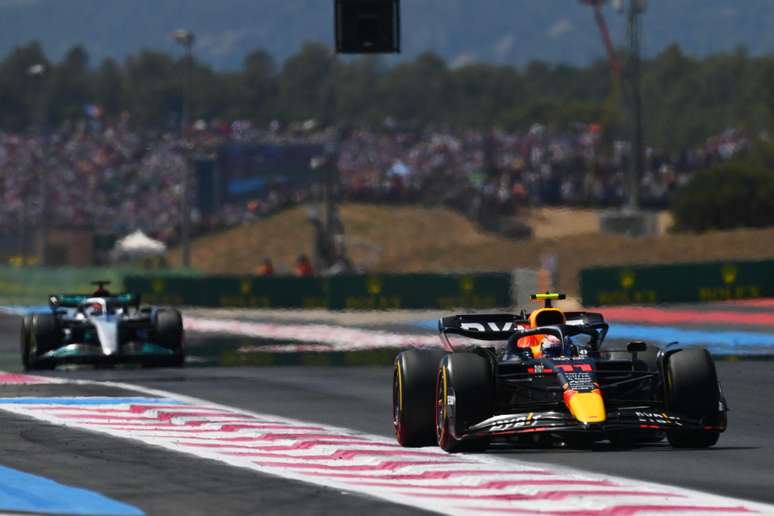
x=718 y=342
x=23 y=492
x=428 y=325
x=24 y=310
x=91 y=401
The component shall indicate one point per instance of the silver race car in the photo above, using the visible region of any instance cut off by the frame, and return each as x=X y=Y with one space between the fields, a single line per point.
x=102 y=328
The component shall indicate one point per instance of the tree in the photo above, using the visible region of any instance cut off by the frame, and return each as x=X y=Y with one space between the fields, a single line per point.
x=110 y=88
x=686 y=99
x=483 y=93
x=728 y=196
x=356 y=91
x=155 y=86
x=418 y=91
x=23 y=89
x=306 y=85
x=258 y=86
x=71 y=86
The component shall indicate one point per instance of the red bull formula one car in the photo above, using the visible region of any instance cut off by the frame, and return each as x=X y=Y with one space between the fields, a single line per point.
x=548 y=377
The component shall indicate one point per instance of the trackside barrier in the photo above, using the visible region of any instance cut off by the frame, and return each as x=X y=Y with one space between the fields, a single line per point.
x=366 y=292
x=680 y=283
x=32 y=286
x=230 y=291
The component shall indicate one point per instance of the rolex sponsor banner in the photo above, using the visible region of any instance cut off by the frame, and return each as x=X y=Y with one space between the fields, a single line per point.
x=231 y=291
x=679 y=283
x=31 y=286
x=395 y=291
x=355 y=292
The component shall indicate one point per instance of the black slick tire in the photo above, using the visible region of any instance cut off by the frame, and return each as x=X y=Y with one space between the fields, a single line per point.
x=413 y=396
x=168 y=333
x=464 y=397
x=24 y=341
x=692 y=390
x=43 y=336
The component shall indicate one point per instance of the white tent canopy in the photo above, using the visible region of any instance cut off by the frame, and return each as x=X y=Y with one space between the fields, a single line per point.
x=138 y=245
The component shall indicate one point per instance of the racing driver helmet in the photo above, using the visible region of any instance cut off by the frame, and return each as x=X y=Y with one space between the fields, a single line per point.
x=551 y=346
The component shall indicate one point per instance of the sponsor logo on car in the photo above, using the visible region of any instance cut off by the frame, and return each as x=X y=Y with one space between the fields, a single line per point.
x=526 y=421
x=490 y=326
x=656 y=418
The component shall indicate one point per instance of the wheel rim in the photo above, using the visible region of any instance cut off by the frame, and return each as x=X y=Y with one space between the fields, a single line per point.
x=440 y=405
x=397 y=398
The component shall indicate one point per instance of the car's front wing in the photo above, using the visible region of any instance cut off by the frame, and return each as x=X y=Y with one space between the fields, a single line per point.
x=630 y=419
x=90 y=353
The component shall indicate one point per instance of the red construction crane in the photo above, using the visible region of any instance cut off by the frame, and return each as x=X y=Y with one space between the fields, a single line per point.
x=615 y=65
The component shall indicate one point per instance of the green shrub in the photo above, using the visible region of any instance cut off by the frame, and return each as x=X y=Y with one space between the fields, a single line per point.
x=733 y=195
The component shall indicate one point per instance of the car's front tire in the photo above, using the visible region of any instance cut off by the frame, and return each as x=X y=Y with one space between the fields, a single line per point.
x=464 y=397
x=413 y=396
x=692 y=390
x=43 y=335
x=24 y=341
x=168 y=332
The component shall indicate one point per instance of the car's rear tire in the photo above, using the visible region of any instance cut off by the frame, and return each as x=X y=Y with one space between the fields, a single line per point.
x=43 y=336
x=24 y=340
x=413 y=396
x=464 y=397
x=168 y=332
x=692 y=390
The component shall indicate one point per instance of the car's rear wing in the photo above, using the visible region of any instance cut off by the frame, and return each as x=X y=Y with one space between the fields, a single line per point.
x=499 y=327
x=483 y=326
x=75 y=300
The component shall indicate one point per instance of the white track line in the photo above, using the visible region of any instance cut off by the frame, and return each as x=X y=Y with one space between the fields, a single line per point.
x=348 y=460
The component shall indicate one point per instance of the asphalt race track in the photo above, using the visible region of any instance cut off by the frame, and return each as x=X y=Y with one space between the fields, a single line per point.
x=159 y=481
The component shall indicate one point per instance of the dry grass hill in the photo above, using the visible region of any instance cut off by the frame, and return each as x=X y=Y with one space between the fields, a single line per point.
x=414 y=239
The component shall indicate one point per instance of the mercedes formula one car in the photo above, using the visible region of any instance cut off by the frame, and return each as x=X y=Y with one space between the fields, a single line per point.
x=548 y=377
x=102 y=328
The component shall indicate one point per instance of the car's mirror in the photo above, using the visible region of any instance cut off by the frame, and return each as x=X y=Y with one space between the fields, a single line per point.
x=636 y=346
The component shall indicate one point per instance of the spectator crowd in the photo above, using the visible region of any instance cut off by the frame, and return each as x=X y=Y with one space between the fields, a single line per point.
x=533 y=168
x=116 y=180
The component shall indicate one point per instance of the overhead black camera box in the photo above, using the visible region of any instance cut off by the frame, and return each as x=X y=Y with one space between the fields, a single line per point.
x=367 y=26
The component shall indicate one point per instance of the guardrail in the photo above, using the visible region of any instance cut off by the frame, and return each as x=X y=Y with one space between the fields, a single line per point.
x=679 y=283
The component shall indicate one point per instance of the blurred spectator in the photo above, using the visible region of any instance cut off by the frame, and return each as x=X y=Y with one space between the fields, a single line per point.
x=266 y=268
x=303 y=267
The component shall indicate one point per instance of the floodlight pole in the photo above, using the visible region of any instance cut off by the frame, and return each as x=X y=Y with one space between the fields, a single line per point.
x=328 y=167
x=37 y=74
x=636 y=8
x=186 y=39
